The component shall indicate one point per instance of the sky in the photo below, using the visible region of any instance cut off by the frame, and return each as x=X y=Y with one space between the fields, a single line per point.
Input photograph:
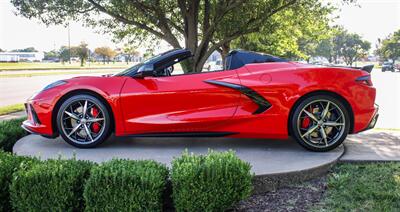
x=372 y=19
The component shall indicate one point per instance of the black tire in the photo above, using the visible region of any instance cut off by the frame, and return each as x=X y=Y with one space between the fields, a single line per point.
x=106 y=122
x=296 y=129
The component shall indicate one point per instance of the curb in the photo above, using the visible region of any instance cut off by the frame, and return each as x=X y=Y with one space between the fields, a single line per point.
x=266 y=183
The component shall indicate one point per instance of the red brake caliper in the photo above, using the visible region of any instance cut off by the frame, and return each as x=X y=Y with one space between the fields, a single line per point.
x=95 y=126
x=306 y=121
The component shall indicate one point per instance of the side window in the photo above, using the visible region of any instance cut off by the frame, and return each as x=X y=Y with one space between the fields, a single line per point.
x=182 y=67
x=179 y=65
x=172 y=66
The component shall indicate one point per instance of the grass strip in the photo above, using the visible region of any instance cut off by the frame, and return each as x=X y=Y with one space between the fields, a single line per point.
x=363 y=187
x=11 y=109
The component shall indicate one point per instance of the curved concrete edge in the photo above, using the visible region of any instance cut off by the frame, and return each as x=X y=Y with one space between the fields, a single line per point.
x=266 y=183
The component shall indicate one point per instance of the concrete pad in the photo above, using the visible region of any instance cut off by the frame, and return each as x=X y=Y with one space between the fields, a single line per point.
x=267 y=157
x=372 y=145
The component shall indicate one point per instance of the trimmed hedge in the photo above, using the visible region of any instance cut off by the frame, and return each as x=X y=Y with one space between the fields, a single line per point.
x=54 y=185
x=10 y=132
x=8 y=165
x=214 y=182
x=124 y=185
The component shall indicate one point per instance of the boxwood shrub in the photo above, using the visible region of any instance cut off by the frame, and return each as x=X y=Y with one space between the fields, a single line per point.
x=126 y=185
x=53 y=185
x=10 y=132
x=214 y=182
x=9 y=164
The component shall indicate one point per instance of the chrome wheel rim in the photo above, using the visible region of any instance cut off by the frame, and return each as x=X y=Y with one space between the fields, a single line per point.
x=321 y=123
x=83 y=121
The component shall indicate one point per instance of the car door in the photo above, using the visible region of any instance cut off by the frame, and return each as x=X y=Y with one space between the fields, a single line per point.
x=182 y=103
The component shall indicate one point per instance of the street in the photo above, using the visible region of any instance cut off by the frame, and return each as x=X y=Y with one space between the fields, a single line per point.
x=18 y=89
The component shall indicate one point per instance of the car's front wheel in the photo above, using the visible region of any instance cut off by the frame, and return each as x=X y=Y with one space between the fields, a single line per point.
x=83 y=121
x=320 y=123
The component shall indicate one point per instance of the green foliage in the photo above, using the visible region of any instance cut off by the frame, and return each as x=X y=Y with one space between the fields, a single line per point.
x=292 y=33
x=204 y=26
x=54 y=185
x=51 y=54
x=123 y=185
x=105 y=52
x=10 y=132
x=8 y=165
x=129 y=52
x=81 y=51
x=363 y=187
x=350 y=46
x=29 y=49
x=64 y=53
x=342 y=44
x=209 y=183
x=389 y=48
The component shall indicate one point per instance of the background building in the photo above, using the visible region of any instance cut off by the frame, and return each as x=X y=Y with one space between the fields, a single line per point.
x=21 y=56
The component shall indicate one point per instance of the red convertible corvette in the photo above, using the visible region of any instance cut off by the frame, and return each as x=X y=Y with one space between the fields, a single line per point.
x=255 y=96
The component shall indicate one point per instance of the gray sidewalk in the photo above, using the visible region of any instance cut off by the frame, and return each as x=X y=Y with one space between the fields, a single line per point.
x=372 y=145
x=15 y=115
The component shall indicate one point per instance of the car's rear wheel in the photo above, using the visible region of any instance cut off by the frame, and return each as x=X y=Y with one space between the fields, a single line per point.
x=320 y=123
x=83 y=121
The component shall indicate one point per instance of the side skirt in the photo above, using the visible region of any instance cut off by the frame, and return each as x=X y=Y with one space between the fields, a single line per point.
x=183 y=134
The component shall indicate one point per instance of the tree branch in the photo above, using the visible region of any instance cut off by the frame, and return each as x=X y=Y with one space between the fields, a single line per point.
x=126 y=21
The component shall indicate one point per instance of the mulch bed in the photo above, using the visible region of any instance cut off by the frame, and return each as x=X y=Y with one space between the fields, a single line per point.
x=299 y=197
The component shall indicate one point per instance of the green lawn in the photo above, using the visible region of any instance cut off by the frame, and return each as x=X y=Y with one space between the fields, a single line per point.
x=363 y=187
x=11 y=109
x=49 y=66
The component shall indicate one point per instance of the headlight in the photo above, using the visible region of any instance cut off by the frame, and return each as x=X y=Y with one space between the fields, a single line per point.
x=55 y=84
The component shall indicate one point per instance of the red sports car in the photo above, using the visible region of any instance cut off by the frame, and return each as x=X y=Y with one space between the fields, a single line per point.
x=255 y=96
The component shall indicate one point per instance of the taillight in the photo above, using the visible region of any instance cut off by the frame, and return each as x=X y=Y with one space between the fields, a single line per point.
x=365 y=80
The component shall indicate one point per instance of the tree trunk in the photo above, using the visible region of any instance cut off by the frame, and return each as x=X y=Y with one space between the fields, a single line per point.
x=188 y=65
x=82 y=61
x=104 y=59
x=226 y=48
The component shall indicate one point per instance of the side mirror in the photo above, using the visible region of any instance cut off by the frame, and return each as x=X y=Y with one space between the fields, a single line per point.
x=144 y=71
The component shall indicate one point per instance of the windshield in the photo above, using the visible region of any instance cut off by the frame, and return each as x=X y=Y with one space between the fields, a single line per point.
x=129 y=70
x=136 y=67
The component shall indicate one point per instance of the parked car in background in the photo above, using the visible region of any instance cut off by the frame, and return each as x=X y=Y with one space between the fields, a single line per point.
x=388 y=66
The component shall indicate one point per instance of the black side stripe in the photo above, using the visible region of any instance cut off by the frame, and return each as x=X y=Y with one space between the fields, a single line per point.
x=262 y=103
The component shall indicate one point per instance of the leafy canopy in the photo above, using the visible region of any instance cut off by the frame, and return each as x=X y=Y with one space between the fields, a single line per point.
x=199 y=25
x=389 y=47
x=202 y=26
x=293 y=33
x=350 y=46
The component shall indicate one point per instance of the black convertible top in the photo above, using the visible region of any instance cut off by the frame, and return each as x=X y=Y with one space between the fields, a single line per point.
x=239 y=58
x=234 y=60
